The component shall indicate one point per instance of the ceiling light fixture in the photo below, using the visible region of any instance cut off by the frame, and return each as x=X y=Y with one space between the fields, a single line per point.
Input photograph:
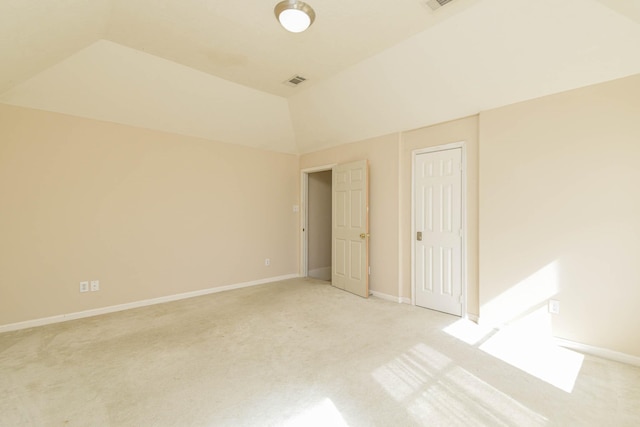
x=295 y=16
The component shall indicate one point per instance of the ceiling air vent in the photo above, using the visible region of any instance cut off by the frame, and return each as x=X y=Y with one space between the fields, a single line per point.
x=295 y=80
x=437 y=4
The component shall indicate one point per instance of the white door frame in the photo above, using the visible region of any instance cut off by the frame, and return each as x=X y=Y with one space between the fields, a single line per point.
x=304 y=215
x=414 y=154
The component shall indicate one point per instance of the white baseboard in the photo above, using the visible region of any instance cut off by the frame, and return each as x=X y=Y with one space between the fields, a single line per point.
x=405 y=300
x=388 y=297
x=136 y=304
x=473 y=317
x=323 y=273
x=599 y=352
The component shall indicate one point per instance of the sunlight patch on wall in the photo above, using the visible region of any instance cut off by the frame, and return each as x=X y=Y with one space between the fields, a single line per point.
x=521 y=297
x=323 y=414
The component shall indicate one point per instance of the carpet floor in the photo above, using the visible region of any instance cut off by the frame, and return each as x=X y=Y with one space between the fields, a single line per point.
x=300 y=353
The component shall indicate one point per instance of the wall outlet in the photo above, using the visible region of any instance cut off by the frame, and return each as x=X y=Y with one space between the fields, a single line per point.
x=84 y=286
x=554 y=306
x=296 y=208
x=267 y=262
x=95 y=285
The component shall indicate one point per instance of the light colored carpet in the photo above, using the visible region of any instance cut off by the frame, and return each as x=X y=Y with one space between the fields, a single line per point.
x=290 y=353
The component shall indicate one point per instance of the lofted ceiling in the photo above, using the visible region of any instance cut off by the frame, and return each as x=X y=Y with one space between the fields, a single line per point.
x=215 y=69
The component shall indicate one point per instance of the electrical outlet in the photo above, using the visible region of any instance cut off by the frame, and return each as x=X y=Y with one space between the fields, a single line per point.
x=84 y=286
x=267 y=262
x=554 y=306
x=95 y=285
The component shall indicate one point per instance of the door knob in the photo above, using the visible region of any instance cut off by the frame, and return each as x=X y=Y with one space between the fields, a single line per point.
x=364 y=235
x=419 y=236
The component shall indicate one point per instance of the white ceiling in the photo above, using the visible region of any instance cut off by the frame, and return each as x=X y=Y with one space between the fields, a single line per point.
x=240 y=41
x=214 y=69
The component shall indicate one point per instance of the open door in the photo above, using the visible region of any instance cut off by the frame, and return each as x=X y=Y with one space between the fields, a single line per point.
x=350 y=229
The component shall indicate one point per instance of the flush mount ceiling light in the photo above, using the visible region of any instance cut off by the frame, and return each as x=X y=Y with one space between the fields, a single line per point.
x=295 y=16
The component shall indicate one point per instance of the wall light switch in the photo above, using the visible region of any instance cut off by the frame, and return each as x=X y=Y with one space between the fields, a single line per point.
x=554 y=306
x=296 y=208
x=95 y=285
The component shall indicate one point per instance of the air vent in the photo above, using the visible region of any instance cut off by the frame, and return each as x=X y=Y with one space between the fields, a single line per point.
x=295 y=80
x=437 y=4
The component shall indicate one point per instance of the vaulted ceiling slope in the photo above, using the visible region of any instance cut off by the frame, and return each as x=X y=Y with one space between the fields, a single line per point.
x=214 y=69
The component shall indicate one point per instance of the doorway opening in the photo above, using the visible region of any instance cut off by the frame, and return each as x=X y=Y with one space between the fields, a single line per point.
x=316 y=222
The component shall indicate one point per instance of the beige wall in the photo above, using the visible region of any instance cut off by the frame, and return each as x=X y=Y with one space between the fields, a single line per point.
x=153 y=214
x=560 y=213
x=147 y=213
x=463 y=130
x=319 y=224
x=382 y=154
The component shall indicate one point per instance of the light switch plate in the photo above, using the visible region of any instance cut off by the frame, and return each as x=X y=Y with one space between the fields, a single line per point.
x=95 y=285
